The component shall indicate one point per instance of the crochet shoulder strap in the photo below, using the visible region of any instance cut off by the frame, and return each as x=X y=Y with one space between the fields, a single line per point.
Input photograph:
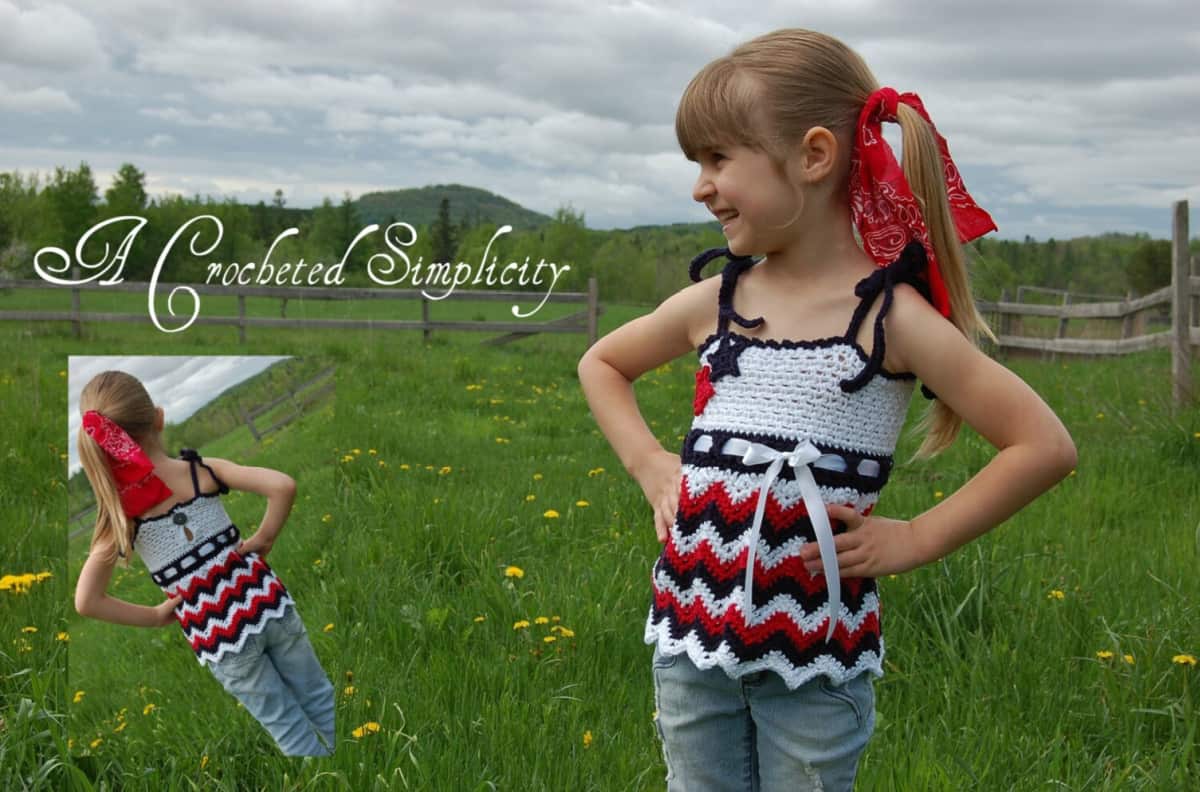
x=734 y=267
x=906 y=269
x=193 y=457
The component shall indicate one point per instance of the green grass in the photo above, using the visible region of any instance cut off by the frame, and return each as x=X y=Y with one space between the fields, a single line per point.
x=991 y=683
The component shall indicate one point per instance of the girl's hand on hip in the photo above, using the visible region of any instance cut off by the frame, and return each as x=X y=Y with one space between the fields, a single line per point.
x=871 y=546
x=660 y=475
x=255 y=544
x=165 y=611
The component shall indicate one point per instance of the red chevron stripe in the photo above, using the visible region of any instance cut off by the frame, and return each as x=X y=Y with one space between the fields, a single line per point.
x=217 y=635
x=252 y=579
x=197 y=582
x=738 y=512
x=718 y=569
x=696 y=615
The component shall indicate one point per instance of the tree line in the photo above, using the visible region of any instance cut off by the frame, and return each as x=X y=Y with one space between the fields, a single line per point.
x=639 y=265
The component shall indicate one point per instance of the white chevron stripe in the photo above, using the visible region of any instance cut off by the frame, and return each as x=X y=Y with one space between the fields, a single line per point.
x=250 y=629
x=725 y=658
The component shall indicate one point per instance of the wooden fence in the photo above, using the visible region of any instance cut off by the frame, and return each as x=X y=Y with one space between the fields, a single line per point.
x=583 y=321
x=1182 y=298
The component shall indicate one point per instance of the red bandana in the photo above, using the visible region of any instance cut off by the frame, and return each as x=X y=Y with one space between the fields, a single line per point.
x=885 y=211
x=137 y=485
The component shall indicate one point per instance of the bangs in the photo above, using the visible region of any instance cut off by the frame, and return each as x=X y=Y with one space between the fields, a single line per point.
x=720 y=107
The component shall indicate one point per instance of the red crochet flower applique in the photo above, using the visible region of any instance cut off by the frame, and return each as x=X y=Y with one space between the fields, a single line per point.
x=704 y=390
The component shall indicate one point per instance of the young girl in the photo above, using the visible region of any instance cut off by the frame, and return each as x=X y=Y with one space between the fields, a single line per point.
x=765 y=612
x=236 y=614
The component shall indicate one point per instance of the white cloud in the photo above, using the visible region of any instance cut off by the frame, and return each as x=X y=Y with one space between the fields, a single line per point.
x=48 y=36
x=36 y=100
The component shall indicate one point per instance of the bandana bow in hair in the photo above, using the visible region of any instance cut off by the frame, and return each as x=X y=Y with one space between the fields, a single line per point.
x=133 y=471
x=885 y=211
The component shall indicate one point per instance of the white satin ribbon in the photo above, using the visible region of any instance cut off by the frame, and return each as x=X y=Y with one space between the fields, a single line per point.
x=800 y=458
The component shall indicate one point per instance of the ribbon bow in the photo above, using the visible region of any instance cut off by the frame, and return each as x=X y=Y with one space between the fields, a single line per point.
x=139 y=488
x=800 y=458
x=882 y=203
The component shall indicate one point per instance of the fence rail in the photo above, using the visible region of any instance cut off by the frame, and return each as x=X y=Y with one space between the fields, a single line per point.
x=584 y=321
x=1182 y=298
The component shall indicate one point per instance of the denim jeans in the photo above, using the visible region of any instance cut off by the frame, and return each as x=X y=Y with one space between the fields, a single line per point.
x=753 y=733
x=279 y=681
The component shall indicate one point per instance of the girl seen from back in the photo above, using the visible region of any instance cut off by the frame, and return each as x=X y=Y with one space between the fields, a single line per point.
x=765 y=613
x=236 y=614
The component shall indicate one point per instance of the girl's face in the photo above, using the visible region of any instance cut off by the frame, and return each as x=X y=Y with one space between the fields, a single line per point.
x=757 y=206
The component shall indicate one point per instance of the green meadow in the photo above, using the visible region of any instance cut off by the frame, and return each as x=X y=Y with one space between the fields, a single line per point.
x=473 y=566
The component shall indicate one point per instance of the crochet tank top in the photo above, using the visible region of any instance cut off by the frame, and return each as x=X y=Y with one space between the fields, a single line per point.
x=191 y=552
x=780 y=429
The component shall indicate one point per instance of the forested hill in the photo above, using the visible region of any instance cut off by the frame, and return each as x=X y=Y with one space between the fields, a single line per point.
x=471 y=206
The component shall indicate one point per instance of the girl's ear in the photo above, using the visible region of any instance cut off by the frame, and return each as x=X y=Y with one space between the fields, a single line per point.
x=817 y=155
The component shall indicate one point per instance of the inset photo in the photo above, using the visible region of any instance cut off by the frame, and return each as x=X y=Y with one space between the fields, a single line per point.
x=199 y=494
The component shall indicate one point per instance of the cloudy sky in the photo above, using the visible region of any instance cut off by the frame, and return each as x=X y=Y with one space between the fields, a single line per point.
x=1066 y=118
x=180 y=385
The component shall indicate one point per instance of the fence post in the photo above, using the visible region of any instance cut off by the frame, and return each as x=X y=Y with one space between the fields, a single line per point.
x=1127 y=319
x=425 y=331
x=593 y=311
x=241 y=319
x=76 y=325
x=1181 y=350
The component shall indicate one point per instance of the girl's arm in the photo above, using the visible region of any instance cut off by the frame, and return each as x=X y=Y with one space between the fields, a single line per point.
x=92 y=600
x=1035 y=451
x=607 y=371
x=278 y=488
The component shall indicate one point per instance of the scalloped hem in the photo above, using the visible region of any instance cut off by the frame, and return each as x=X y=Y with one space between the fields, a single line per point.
x=265 y=618
x=774 y=661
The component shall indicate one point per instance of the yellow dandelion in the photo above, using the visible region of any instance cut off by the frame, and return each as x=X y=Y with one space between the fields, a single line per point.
x=521 y=625
x=327 y=518
x=582 y=504
x=146 y=710
x=550 y=514
x=329 y=627
x=371 y=451
x=120 y=728
x=514 y=571
x=503 y=440
x=479 y=619
x=1104 y=654
x=356 y=452
x=62 y=373
x=587 y=739
x=1099 y=416
x=1128 y=658
x=1184 y=659
x=530 y=497
x=79 y=694
x=565 y=632
x=318 y=562
x=937 y=495
x=370 y=727
x=444 y=470
x=404 y=466
x=1055 y=594
x=348 y=690
x=537 y=476
x=382 y=463
x=549 y=638
x=204 y=761
x=541 y=620
x=62 y=636
x=595 y=472
x=96 y=742
x=29 y=629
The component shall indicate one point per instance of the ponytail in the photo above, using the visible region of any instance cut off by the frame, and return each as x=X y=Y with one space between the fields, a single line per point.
x=122 y=399
x=113 y=529
x=922 y=165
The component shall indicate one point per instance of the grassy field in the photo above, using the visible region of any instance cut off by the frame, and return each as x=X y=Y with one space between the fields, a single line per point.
x=458 y=509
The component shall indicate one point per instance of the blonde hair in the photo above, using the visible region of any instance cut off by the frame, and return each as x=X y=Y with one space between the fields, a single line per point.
x=122 y=399
x=770 y=91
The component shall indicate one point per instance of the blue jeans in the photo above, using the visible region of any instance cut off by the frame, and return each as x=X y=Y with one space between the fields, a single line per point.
x=753 y=733
x=279 y=681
